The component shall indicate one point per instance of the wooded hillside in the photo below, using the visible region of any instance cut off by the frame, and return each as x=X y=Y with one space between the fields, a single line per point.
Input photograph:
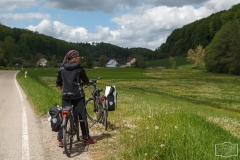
x=25 y=48
x=218 y=34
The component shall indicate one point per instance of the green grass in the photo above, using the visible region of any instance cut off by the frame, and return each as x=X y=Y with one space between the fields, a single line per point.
x=161 y=114
x=180 y=61
x=40 y=94
x=156 y=126
x=216 y=90
x=117 y=73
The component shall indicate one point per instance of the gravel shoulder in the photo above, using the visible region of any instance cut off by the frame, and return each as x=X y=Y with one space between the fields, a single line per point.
x=52 y=151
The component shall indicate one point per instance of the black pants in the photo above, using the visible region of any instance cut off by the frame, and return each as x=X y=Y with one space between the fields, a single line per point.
x=81 y=112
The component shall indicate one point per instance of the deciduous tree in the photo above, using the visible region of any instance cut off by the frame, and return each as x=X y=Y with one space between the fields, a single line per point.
x=197 y=57
x=222 y=55
x=173 y=62
x=102 y=61
x=140 y=62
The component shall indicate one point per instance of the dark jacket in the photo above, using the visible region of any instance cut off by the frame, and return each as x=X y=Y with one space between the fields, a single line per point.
x=72 y=76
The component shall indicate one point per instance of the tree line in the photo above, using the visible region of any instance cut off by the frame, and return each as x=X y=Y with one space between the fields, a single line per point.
x=24 y=48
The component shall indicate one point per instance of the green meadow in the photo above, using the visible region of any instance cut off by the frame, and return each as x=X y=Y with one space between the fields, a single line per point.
x=165 y=62
x=162 y=114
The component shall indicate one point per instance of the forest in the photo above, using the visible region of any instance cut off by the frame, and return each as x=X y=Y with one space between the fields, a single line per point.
x=24 y=48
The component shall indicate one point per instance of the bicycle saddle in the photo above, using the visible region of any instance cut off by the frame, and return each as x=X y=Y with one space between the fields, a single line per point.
x=69 y=94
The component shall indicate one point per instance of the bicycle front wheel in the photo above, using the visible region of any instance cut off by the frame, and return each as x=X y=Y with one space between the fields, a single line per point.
x=67 y=134
x=92 y=110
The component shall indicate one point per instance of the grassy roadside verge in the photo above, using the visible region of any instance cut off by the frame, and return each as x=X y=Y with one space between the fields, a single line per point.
x=39 y=94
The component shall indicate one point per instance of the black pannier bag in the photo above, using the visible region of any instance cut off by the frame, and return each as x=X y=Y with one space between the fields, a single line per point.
x=111 y=100
x=55 y=117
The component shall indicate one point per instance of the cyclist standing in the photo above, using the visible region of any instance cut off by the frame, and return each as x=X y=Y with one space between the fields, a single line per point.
x=69 y=79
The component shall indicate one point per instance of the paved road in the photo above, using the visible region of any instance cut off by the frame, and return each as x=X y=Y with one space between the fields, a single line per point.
x=23 y=134
x=19 y=128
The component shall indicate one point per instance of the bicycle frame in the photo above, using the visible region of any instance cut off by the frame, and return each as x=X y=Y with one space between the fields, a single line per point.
x=99 y=102
x=96 y=91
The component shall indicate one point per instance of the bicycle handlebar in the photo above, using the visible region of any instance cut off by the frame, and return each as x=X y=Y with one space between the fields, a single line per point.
x=92 y=82
x=95 y=80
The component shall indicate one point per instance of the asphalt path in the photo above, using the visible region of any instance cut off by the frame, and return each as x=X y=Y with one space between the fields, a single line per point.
x=19 y=128
x=23 y=134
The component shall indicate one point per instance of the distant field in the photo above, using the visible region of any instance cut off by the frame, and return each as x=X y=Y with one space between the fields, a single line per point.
x=180 y=61
x=117 y=73
x=161 y=114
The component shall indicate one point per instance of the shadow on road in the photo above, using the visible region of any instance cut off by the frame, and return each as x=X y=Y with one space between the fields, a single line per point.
x=78 y=147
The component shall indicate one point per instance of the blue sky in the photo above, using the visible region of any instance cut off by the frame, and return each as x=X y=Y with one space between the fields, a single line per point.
x=125 y=23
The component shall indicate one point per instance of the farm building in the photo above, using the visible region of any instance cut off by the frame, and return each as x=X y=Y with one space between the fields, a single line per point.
x=130 y=63
x=112 y=63
x=42 y=62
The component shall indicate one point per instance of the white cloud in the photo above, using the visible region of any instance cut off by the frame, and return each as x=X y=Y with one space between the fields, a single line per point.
x=218 y=5
x=60 y=30
x=149 y=26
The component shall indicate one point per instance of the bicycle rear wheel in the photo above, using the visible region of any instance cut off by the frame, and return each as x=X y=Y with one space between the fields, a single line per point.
x=67 y=134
